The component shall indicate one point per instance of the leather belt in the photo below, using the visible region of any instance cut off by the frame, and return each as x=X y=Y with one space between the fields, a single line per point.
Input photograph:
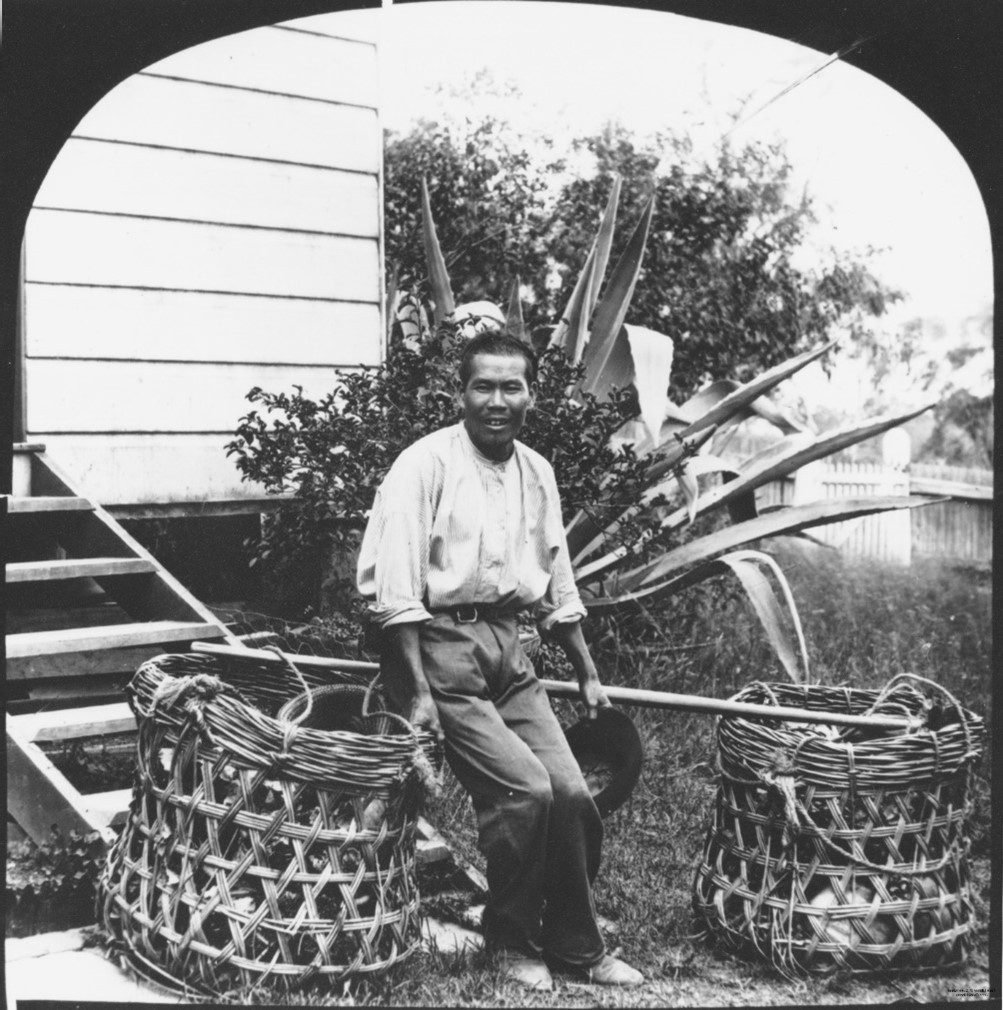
x=470 y=613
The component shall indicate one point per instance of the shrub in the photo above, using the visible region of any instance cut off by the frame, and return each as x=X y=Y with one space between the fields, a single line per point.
x=52 y=885
x=334 y=452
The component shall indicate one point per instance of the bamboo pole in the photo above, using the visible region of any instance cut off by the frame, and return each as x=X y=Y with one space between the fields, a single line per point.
x=719 y=706
x=620 y=695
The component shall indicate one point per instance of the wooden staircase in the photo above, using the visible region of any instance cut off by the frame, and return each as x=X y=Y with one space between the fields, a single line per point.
x=70 y=557
x=86 y=605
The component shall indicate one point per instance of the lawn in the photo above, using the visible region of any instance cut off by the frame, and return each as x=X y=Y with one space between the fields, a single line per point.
x=864 y=624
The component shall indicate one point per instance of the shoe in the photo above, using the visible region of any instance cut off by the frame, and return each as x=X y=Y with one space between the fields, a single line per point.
x=526 y=971
x=612 y=971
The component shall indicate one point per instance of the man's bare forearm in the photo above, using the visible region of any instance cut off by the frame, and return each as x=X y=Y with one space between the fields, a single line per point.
x=572 y=642
x=403 y=669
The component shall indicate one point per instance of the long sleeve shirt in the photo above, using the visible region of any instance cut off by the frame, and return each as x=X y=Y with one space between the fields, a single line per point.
x=450 y=526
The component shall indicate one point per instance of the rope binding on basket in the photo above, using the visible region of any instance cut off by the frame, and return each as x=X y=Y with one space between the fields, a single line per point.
x=191 y=693
x=837 y=848
x=419 y=772
x=267 y=849
x=416 y=772
x=781 y=777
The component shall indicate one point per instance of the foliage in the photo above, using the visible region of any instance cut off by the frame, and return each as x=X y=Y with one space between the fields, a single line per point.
x=486 y=191
x=334 y=452
x=963 y=432
x=628 y=461
x=870 y=622
x=53 y=883
x=721 y=275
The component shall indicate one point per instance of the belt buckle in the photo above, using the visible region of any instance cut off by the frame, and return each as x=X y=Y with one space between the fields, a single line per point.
x=466 y=609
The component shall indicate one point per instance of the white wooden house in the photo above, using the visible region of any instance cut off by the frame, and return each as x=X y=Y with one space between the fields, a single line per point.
x=213 y=224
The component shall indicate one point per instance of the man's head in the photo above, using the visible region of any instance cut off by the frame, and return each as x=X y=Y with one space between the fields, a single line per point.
x=496 y=342
x=497 y=387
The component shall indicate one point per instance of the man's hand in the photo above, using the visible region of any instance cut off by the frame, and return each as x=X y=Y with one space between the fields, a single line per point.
x=593 y=695
x=406 y=683
x=571 y=640
x=424 y=715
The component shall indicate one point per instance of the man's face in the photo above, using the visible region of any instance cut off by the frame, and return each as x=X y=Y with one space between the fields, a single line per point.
x=495 y=401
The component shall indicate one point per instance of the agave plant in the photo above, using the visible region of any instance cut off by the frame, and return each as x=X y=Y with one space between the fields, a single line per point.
x=681 y=443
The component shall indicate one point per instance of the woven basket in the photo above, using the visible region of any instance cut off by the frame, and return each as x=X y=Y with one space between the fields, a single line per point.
x=256 y=848
x=843 y=848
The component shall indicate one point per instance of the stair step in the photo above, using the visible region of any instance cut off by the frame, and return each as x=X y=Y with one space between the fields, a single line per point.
x=75 y=568
x=76 y=723
x=48 y=503
x=29 y=447
x=116 y=636
x=21 y=475
x=110 y=808
x=431 y=846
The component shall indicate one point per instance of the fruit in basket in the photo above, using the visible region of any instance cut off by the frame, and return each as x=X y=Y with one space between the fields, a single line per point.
x=930 y=920
x=839 y=930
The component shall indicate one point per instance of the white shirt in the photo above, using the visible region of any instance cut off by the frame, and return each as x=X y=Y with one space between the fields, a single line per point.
x=451 y=526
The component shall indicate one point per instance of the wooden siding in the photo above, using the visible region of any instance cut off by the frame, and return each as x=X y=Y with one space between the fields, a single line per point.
x=190 y=115
x=115 y=179
x=169 y=396
x=152 y=468
x=112 y=251
x=74 y=322
x=283 y=61
x=212 y=225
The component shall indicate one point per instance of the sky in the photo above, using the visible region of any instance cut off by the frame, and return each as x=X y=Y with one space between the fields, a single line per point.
x=881 y=173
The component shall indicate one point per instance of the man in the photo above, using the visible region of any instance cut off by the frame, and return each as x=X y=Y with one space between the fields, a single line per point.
x=465 y=532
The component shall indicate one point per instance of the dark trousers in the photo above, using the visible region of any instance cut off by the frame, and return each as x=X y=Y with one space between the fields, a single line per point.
x=538 y=825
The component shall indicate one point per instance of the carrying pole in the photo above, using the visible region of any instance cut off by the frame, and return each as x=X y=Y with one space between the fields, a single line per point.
x=617 y=695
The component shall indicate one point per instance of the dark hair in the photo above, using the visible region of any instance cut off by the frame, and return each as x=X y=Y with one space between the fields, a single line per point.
x=496 y=342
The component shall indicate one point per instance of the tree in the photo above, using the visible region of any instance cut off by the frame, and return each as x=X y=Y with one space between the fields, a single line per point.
x=963 y=431
x=720 y=274
x=638 y=524
x=489 y=196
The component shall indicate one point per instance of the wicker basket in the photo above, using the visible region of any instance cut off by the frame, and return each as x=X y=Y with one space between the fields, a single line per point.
x=257 y=848
x=843 y=848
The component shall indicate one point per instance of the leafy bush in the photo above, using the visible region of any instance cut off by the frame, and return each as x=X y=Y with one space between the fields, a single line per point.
x=638 y=475
x=52 y=885
x=334 y=452
x=722 y=273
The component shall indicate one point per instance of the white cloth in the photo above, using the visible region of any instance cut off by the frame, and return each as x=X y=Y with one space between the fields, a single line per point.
x=450 y=526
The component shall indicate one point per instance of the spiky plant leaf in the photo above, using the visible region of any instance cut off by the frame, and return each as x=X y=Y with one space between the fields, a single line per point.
x=720 y=404
x=651 y=356
x=646 y=579
x=582 y=526
x=710 y=396
x=690 y=489
x=776 y=466
x=604 y=240
x=442 y=292
x=764 y=601
x=514 y=322
x=607 y=356
x=738 y=400
x=748 y=567
x=390 y=304
x=571 y=331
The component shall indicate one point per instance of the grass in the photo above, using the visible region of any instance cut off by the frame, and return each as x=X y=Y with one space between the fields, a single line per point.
x=864 y=624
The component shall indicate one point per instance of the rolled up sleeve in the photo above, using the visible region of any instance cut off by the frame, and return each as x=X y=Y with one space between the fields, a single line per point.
x=393 y=559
